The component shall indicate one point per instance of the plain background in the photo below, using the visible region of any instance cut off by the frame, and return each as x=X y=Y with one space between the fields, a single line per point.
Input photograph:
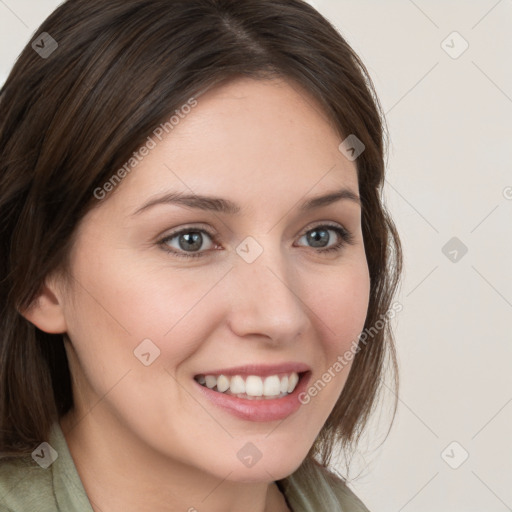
x=449 y=176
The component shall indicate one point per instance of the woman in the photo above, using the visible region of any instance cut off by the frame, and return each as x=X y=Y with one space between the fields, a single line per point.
x=197 y=270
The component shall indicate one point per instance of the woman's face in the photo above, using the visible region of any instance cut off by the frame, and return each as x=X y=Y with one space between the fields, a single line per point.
x=149 y=309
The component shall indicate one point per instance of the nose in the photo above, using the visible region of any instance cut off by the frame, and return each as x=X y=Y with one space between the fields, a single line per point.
x=266 y=299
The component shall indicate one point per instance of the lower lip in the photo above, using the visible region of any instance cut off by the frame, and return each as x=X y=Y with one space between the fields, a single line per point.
x=259 y=410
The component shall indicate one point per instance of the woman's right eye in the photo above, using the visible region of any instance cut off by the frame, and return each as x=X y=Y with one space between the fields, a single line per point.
x=187 y=240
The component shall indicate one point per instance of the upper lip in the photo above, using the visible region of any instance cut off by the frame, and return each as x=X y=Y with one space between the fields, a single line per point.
x=260 y=369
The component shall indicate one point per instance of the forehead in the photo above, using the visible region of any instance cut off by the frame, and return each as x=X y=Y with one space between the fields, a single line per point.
x=247 y=139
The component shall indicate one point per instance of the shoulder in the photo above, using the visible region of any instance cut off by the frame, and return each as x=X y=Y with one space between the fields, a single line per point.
x=24 y=486
x=46 y=483
x=315 y=488
x=346 y=497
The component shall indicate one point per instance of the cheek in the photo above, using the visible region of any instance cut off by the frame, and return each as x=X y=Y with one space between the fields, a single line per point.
x=118 y=306
x=341 y=304
x=119 y=303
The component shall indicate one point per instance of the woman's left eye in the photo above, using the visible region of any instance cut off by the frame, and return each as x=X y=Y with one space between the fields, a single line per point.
x=320 y=234
x=189 y=241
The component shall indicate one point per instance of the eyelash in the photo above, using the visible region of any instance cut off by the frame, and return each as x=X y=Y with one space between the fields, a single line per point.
x=346 y=238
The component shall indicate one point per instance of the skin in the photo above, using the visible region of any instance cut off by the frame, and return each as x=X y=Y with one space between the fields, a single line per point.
x=143 y=437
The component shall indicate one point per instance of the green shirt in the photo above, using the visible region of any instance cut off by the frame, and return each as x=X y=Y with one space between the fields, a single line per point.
x=25 y=486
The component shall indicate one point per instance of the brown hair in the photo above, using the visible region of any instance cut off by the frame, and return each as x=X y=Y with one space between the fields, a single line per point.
x=67 y=121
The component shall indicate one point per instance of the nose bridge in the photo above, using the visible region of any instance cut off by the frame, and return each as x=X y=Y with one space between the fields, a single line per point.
x=266 y=300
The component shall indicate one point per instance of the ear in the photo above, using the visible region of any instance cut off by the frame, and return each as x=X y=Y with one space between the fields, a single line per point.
x=46 y=311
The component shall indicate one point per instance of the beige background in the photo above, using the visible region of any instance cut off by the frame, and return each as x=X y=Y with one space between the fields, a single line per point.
x=449 y=175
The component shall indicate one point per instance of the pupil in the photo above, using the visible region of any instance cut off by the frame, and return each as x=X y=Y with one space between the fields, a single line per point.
x=193 y=240
x=320 y=235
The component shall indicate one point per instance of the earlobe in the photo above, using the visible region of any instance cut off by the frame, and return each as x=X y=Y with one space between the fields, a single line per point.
x=46 y=311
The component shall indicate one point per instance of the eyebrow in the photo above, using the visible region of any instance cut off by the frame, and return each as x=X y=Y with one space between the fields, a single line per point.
x=217 y=204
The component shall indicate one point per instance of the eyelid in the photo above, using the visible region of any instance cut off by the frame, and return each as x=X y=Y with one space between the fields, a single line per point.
x=322 y=224
x=212 y=233
x=187 y=229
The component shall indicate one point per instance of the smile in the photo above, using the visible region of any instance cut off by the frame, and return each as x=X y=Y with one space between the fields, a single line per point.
x=251 y=387
x=253 y=397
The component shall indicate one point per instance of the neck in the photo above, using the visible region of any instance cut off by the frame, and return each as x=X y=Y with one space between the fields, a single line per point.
x=118 y=479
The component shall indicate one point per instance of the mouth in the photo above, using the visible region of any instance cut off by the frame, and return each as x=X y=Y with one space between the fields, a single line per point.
x=251 y=395
x=252 y=387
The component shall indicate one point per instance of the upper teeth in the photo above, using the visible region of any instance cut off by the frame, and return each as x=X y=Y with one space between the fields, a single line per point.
x=253 y=385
